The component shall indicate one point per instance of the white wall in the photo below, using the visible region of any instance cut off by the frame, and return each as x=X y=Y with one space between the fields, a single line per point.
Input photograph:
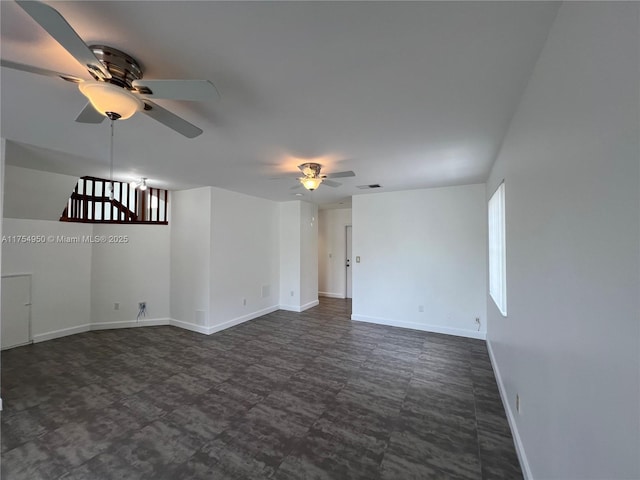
x=308 y=255
x=245 y=263
x=421 y=248
x=298 y=255
x=3 y=149
x=217 y=265
x=290 y=255
x=332 y=251
x=190 y=257
x=75 y=284
x=61 y=274
x=570 y=344
x=132 y=269
x=35 y=194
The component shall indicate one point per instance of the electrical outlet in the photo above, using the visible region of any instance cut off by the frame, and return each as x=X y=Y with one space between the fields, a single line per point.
x=421 y=308
x=244 y=301
x=292 y=293
x=116 y=306
x=517 y=402
x=142 y=305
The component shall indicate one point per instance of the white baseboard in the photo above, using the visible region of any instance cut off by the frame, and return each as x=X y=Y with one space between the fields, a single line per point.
x=42 y=337
x=459 y=332
x=222 y=326
x=301 y=308
x=152 y=322
x=290 y=308
x=332 y=295
x=244 y=318
x=17 y=345
x=524 y=463
x=190 y=326
x=155 y=322
x=309 y=305
x=63 y=332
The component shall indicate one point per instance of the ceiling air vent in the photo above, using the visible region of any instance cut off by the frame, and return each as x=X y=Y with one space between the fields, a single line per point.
x=367 y=187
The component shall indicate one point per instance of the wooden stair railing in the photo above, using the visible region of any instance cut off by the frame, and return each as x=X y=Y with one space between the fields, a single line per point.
x=89 y=203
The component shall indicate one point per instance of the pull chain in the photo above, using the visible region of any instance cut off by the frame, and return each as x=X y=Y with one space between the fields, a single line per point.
x=111 y=162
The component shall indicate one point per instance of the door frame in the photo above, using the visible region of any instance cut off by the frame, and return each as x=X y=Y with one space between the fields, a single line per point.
x=346 y=258
x=29 y=304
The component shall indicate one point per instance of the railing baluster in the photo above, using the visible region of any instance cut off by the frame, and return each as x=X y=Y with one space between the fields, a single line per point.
x=90 y=203
x=85 y=205
x=166 y=202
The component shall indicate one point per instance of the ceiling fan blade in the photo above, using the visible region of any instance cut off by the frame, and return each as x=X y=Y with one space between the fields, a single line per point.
x=330 y=183
x=296 y=186
x=194 y=90
x=39 y=71
x=90 y=115
x=171 y=120
x=341 y=174
x=55 y=24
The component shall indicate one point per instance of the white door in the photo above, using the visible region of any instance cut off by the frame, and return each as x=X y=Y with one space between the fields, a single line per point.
x=16 y=311
x=348 y=262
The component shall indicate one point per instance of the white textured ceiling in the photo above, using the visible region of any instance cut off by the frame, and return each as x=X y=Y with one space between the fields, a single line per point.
x=407 y=95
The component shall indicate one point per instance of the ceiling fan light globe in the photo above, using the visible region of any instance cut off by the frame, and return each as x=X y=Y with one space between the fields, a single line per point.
x=107 y=98
x=311 y=183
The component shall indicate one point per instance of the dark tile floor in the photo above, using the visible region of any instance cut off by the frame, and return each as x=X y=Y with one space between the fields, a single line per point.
x=286 y=396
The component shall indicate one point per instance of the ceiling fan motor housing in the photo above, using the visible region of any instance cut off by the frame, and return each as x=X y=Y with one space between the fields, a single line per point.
x=123 y=68
x=310 y=169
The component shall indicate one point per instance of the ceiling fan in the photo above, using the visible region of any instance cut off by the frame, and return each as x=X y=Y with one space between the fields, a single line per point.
x=312 y=178
x=117 y=91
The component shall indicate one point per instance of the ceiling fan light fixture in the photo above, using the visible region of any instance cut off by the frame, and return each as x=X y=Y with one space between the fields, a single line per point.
x=109 y=99
x=311 y=183
x=142 y=184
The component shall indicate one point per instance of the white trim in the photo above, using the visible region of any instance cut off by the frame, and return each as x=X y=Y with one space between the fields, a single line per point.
x=459 y=332
x=169 y=321
x=497 y=249
x=244 y=318
x=63 y=332
x=522 y=456
x=290 y=308
x=301 y=308
x=309 y=305
x=17 y=345
x=190 y=326
x=222 y=326
x=152 y=322
x=332 y=295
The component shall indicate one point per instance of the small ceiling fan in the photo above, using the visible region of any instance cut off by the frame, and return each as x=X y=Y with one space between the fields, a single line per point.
x=117 y=91
x=312 y=178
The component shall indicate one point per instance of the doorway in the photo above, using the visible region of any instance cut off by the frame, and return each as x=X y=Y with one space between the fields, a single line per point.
x=16 y=311
x=348 y=293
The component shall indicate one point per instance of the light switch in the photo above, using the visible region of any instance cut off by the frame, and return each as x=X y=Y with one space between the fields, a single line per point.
x=357 y=259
